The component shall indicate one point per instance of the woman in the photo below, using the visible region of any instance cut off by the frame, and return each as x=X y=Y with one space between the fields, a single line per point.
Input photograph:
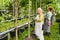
x=48 y=21
x=39 y=20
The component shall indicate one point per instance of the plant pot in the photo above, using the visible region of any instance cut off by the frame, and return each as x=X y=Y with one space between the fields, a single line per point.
x=21 y=29
x=59 y=28
x=13 y=33
x=8 y=18
x=26 y=26
x=0 y=20
x=5 y=18
x=31 y=16
x=4 y=37
x=19 y=18
x=32 y=24
x=12 y=20
x=25 y=16
x=58 y=20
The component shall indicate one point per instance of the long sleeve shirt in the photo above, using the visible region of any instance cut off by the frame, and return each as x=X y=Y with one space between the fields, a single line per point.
x=49 y=15
x=40 y=18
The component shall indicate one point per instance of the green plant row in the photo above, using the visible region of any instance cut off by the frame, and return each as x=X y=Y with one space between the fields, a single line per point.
x=7 y=25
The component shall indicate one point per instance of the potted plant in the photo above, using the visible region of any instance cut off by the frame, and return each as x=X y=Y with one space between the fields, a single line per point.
x=13 y=33
x=21 y=29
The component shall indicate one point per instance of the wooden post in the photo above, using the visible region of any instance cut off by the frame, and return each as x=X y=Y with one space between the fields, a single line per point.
x=4 y=8
x=33 y=7
x=16 y=16
x=29 y=21
x=36 y=7
x=13 y=6
x=40 y=3
x=59 y=28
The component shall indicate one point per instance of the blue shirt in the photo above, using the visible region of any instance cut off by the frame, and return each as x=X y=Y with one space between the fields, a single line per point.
x=49 y=15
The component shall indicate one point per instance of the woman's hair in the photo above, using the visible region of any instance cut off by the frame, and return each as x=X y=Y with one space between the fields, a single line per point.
x=39 y=10
x=50 y=8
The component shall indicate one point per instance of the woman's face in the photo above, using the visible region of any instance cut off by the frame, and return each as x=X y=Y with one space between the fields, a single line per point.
x=39 y=11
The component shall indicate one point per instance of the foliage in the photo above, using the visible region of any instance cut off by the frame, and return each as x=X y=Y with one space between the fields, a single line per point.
x=24 y=11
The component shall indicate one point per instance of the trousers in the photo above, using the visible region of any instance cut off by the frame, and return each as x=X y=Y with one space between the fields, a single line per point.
x=46 y=26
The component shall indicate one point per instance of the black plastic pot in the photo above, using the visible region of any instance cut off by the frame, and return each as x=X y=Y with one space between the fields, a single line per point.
x=12 y=20
x=58 y=20
x=13 y=33
x=19 y=18
x=32 y=23
x=26 y=26
x=4 y=37
x=25 y=16
x=8 y=18
x=5 y=18
x=0 y=20
x=31 y=16
x=59 y=28
x=21 y=29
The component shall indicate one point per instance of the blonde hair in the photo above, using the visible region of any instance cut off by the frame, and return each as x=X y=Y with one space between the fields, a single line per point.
x=40 y=9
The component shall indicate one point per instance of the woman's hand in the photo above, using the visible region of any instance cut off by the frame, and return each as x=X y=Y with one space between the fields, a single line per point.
x=48 y=23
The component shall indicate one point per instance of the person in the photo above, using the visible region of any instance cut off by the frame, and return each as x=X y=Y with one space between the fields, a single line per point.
x=48 y=22
x=39 y=20
x=53 y=17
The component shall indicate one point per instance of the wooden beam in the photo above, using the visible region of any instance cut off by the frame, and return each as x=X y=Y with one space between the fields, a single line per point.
x=16 y=16
x=28 y=21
